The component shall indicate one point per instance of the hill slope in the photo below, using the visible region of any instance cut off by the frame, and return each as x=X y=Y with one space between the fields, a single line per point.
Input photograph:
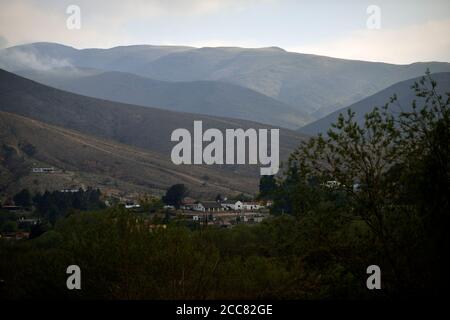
x=83 y=160
x=405 y=96
x=203 y=97
x=142 y=127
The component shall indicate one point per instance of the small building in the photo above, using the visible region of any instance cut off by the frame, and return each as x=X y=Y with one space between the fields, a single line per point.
x=208 y=206
x=251 y=218
x=132 y=206
x=70 y=190
x=30 y=221
x=188 y=203
x=258 y=218
x=252 y=206
x=11 y=208
x=19 y=235
x=232 y=205
x=332 y=184
x=43 y=170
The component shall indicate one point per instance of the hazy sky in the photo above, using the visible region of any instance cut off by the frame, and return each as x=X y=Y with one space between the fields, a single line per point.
x=414 y=30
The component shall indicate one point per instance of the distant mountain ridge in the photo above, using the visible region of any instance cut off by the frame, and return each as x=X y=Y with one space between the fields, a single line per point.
x=405 y=96
x=309 y=83
x=202 y=97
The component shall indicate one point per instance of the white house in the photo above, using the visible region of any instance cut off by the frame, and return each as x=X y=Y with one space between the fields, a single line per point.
x=207 y=206
x=43 y=170
x=70 y=190
x=132 y=206
x=252 y=206
x=332 y=184
x=232 y=205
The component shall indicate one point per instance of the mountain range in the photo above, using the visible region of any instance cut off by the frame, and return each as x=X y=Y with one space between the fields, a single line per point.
x=310 y=84
x=104 y=117
x=202 y=97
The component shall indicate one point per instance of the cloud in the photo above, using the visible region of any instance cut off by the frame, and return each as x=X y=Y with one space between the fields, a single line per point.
x=25 y=22
x=426 y=42
x=3 y=42
x=21 y=59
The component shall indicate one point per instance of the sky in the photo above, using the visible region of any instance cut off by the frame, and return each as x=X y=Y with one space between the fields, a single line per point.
x=405 y=32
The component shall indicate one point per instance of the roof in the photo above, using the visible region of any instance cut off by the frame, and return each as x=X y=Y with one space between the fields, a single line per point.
x=230 y=202
x=188 y=200
x=211 y=205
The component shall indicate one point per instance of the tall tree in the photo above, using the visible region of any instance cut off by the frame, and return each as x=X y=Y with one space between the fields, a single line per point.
x=23 y=198
x=267 y=187
x=175 y=194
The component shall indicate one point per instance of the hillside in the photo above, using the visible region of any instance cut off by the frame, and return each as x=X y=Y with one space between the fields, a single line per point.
x=202 y=97
x=314 y=84
x=142 y=127
x=83 y=160
x=405 y=96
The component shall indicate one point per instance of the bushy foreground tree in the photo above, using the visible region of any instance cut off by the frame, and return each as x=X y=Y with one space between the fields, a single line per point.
x=389 y=178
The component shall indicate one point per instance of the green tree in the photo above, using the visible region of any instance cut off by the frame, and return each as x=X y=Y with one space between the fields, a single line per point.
x=267 y=187
x=28 y=148
x=23 y=198
x=175 y=194
x=9 y=226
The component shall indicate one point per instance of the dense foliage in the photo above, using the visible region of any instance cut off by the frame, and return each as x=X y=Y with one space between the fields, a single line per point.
x=121 y=258
x=56 y=204
x=381 y=191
